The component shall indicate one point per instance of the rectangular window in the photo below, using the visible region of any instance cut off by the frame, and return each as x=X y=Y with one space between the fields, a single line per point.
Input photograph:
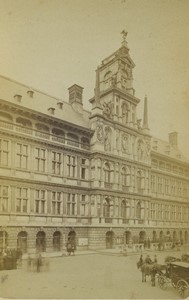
x=40 y=201
x=166 y=186
x=71 y=205
x=40 y=159
x=172 y=187
x=56 y=163
x=160 y=185
x=4 y=152
x=83 y=168
x=83 y=205
x=21 y=199
x=56 y=203
x=153 y=211
x=4 y=198
x=71 y=164
x=22 y=156
x=153 y=183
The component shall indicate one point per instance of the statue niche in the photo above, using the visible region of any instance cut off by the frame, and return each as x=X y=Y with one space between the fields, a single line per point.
x=140 y=150
x=108 y=109
x=107 y=139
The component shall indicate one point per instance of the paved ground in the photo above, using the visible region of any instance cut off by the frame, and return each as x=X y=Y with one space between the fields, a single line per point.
x=88 y=276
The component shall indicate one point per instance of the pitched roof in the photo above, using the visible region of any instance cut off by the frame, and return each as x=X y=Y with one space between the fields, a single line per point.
x=41 y=102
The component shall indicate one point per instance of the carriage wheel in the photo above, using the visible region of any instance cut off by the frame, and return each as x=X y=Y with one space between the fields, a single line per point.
x=183 y=288
x=162 y=282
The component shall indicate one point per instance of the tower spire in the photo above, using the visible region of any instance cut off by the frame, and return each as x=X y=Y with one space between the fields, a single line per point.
x=145 y=117
x=97 y=89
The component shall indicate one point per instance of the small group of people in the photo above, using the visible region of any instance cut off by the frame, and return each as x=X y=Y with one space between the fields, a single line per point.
x=70 y=247
x=147 y=260
x=10 y=258
x=37 y=263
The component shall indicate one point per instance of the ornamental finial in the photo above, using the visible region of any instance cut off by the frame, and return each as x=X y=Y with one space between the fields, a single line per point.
x=124 y=35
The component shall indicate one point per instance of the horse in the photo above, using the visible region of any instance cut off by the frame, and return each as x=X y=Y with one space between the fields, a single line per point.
x=151 y=270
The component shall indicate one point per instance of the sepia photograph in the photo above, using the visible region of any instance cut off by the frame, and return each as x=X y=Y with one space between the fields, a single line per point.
x=94 y=159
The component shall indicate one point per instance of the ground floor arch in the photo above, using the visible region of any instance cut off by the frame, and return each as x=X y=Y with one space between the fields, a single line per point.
x=109 y=239
x=3 y=240
x=127 y=237
x=154 y=236
x=22 y=241
x=57 y=241
x=41 y=241
x=186 y=237
x=142 y=236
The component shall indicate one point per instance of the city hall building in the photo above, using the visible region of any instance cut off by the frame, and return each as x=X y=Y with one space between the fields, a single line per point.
x=97 y=177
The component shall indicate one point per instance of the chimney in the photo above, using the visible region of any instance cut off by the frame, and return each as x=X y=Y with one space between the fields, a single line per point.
x=18 y=97
x=60 y=104
x=51 y=110
x=75 y=94
x=30 y=93
x=173 y=137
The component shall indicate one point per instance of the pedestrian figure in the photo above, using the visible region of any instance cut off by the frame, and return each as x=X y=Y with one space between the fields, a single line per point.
x=153 y=276
x=155 y=259
x=29 y=262
x=69 y=247
x=148 y=259
x=140 y=262
x=39 y=262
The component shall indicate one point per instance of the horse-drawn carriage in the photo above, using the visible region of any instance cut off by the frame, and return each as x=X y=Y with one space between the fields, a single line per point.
x=177 y=274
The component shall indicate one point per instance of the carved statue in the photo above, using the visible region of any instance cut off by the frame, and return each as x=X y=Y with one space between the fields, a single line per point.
x=107 y=111
x=125 y=143
x=140 y=150
x=100 y=133
x=107 y=139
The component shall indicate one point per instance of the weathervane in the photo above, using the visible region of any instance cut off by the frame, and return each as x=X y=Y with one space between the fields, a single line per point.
x=124 y=35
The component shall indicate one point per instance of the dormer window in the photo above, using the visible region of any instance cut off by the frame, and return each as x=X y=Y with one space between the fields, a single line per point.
x=30 y=93
x=60 y=104
x=51 y=110
x=18 y=97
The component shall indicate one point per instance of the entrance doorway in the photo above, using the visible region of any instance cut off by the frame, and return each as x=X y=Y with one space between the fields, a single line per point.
x=72 y=238
x=109 y=239
x=22 y=241
x=127 y=237
x=142 y=236
x=57 y=241
x=41 y=241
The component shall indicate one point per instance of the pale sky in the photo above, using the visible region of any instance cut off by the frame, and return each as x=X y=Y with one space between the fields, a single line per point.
x=52 y=44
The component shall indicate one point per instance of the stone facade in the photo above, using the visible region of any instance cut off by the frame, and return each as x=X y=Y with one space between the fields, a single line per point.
x=97 y=177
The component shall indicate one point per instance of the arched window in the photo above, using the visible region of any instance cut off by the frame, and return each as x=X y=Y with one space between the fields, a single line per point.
x=24 y=122
x=73 y=140
x=57 y=241
x=123 y=209
x=58 y=135
x=6 y=120
x=107 y=205
x=125 y=113
x=138 y=210
x=42 y=127
x=107 y=173
x=139 y=181
x=125 y=176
